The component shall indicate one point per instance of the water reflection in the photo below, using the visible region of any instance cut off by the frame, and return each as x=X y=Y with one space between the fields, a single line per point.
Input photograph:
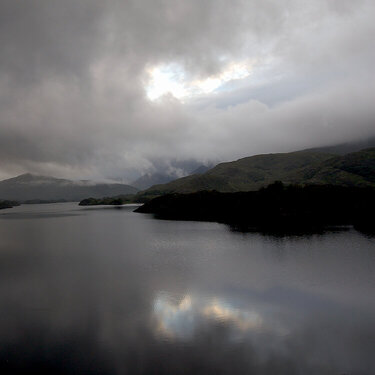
x=179 y=318
x=242 y=320
x=175 y=317
x=112 y=292
x=275 y=333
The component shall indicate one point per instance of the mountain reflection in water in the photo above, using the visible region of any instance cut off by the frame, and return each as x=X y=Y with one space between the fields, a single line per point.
x=112 y=292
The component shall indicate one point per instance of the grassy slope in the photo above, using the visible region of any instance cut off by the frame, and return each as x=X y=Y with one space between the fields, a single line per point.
x=302 y=167
x=245 y=174
x=354 y=169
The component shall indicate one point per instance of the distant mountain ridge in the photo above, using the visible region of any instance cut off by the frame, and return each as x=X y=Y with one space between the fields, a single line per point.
x=300 y=167
x=29 y=187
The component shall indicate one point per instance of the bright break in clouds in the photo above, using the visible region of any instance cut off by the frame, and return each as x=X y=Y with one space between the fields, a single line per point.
x=109 y=89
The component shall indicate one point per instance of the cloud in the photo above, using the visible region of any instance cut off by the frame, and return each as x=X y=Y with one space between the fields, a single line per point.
x=74 y=78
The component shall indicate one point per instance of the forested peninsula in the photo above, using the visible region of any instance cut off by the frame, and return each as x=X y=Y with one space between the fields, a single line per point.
x=277 y=208
x=8 y=204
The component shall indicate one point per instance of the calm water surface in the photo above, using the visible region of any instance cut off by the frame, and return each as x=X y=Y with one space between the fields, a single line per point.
x=109 y=291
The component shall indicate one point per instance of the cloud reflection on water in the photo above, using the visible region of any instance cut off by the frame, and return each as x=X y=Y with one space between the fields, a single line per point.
x=181 y=317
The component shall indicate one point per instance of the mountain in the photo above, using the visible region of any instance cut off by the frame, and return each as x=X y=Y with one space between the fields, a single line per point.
x=301 y=167
x=186 y=167
x=250 y=173
x=28 y=187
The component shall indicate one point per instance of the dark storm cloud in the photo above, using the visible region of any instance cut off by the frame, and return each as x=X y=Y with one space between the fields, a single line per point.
x=73 y=75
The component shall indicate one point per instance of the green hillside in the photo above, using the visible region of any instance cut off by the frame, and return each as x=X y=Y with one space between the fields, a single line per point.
x=301 y=167
x=354 y=169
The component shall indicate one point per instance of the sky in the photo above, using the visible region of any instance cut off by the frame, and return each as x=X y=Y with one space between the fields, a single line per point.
x=114 y=89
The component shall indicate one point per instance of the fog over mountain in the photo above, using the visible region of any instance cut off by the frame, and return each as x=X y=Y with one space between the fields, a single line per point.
x=165 y=172
x=101 y=89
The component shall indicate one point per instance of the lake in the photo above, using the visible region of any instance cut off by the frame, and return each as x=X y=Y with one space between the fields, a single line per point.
x=103 y=290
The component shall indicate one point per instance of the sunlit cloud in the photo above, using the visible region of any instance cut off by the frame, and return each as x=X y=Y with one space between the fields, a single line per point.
x=172 y=79
x=166 y=79
x=104 y=98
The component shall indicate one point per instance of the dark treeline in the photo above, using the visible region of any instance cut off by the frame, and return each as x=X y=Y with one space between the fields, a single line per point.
x=277 y=208
x=114 y=201
x=8 y=204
